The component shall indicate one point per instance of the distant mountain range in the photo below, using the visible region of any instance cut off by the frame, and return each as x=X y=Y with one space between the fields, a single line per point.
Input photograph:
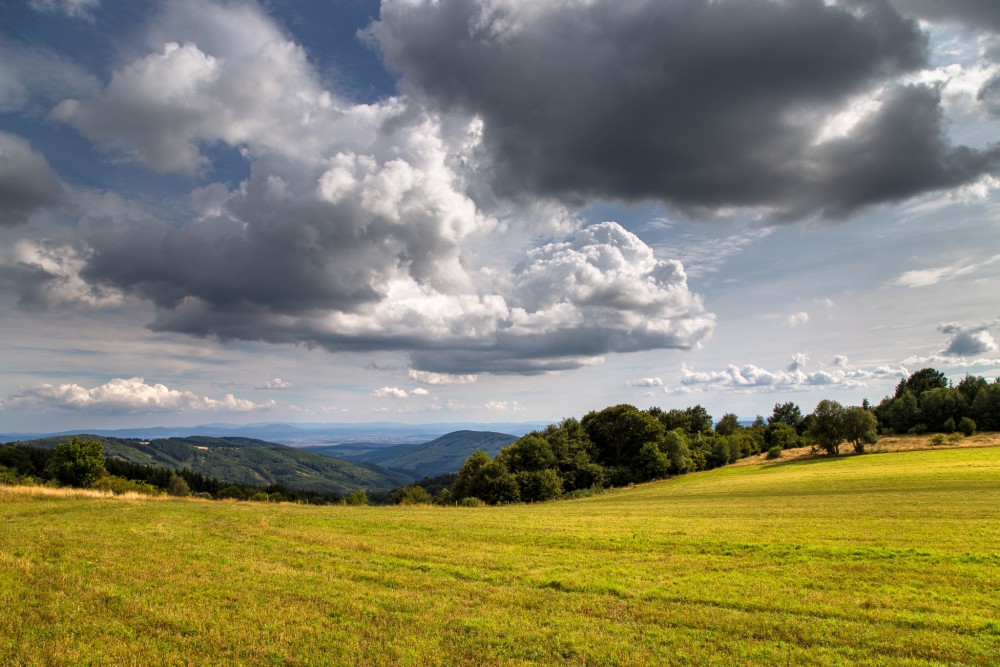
x=339 y=468
x=437 y=457
x=300 y=434
x=248 y=461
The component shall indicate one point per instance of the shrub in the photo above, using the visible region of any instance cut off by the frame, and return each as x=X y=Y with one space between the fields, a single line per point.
x=259 y=497
x=471 y=501
x=358 y=497
x=412 y=495
x=938 y=439
x=77 y=463
x=774 y=452
x=119 y=485
x=966 y=427
x=949 y=425
x=955 y=437
x=232 y=491
x=177 y=486
x=204 y=495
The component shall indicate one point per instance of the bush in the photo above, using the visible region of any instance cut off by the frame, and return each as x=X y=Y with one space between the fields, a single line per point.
x=204 y=495
x=177 y=486
x=774 y=452
x=938 y=439
x=955 y=437
x=412 y=495
x=119 y=485
x=77 y=463
x=967 y=427
x=233 y=492
x=358 y=497
x=471 y=501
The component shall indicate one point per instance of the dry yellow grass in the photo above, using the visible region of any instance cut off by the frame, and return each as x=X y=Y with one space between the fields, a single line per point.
x=887 y=443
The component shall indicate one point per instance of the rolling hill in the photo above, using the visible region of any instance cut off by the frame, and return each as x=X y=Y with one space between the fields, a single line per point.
x=873 y=560
x=249 y=461
x=437 y=457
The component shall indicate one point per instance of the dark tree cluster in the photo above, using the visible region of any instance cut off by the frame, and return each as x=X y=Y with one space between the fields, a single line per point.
x=82 y=464
x=927 y=401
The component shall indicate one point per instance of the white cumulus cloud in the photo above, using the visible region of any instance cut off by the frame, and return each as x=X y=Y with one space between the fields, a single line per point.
x=124 y=395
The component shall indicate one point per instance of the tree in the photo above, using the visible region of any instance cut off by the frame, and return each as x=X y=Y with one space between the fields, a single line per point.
x=986 y=408
x=828 y=426
x=412 y=495
x=786 y=413
x=77 y=463
x=860 y=428
x=176 y=486
x=728 y=424
x=923 y=380
x=938 y=406
x=970 y=386
x=619 y=433
x=469 y=481
x=781 y=434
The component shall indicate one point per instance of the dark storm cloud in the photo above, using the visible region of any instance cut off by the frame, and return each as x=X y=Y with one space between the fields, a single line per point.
x=701 y=104
x=27 y=182
x=978 y=14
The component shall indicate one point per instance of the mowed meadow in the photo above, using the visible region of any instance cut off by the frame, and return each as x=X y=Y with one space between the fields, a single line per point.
x=886 y=559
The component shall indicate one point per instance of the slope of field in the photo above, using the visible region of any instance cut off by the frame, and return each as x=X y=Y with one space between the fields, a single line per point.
x=439 y=456
x=889 y=559
x=248 y=461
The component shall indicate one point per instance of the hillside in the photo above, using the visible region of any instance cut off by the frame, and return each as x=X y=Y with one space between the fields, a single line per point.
x=249 y=461
x=886 y=559
x=437 y=457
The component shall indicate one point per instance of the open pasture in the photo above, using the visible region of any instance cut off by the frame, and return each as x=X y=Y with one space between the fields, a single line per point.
x=889 y=559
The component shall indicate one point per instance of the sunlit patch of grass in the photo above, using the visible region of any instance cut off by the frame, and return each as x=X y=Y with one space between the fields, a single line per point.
x=874 y=560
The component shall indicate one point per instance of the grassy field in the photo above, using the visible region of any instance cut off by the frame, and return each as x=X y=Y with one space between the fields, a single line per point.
x=890 y=559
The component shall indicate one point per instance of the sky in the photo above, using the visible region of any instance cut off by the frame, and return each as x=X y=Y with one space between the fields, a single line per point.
x=490 y=210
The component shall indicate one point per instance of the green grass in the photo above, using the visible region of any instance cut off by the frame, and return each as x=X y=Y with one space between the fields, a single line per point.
x=889 y=559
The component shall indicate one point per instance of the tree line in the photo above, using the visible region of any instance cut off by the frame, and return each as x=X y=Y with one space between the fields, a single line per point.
x=81 y=464
x=623 y=445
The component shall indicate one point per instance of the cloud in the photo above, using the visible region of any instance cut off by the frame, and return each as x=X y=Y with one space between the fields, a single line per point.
x=968 y=341
x=798 y=361
x=504 y=406
x=390 y=392
x=354 y=230
x=704 y=105
x=275 y=384
x=419 y=391
x=74 y=9
x=755 y=378
x=976 y=14
x=27 y=182
x=933 y=276
x=132 y=395
x=46 y=274
x=646 y=382
x=440 y=378
x=796 y=320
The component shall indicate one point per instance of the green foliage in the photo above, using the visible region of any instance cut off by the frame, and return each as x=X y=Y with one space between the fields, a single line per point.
x=619 y=432
x=177 y=486
x=120 y=485
x=938 y=439
x=775 y=451
x=444 y=497
x=967 y=426
x=860 y=428
x=827 y=429
x=939 y=406
x=782 y=435
x=412 y=495
x=77 y=463
x=986 y=408
x=923 y=380
x=471 y=501
x=358 y=497
x=232 y=492
x=786 y=413
x=728 y=424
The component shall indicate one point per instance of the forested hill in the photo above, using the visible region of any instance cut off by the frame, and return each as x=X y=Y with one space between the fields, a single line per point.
x=430 y=459
x=248 y=461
